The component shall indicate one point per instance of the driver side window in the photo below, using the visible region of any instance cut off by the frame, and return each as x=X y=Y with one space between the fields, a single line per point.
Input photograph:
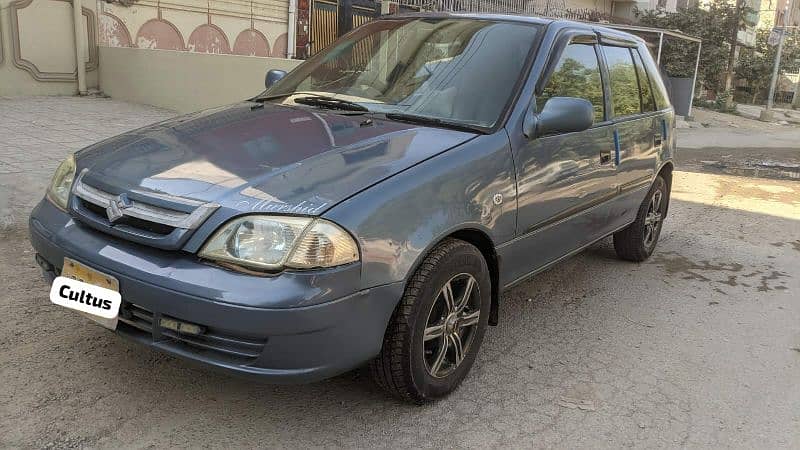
x=577 y=75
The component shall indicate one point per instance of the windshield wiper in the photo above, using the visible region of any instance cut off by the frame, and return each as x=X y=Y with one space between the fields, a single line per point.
x=433 y=121
x=330 y=103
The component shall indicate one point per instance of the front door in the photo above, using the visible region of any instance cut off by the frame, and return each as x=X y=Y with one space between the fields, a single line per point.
x=565 y=180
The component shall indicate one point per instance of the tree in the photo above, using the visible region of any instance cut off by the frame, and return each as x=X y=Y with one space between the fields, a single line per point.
x=713 y=26
x=756 y=64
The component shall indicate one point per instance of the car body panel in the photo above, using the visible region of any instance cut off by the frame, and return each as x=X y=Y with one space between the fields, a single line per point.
x=558 y=177
x=270 y=158
x=309 y=326
x=183 y=272
x=397 y=188
x=398 y=221
x=597 y=199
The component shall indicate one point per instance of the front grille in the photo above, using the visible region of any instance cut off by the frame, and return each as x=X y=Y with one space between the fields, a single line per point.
x=211 y=342
x=133 y=222
x=151 y=218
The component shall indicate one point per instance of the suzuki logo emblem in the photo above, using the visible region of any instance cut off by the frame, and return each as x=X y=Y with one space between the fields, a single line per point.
x=114 y=209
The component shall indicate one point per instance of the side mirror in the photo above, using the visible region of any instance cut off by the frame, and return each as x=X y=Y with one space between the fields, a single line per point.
x=273 y=76
x=559 y=115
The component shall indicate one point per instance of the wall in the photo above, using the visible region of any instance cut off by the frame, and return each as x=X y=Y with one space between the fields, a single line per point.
x=37 y=38
x=603 y=6
x=183 y=81
x=242 y=27
x=37 y=47
x=627 y=9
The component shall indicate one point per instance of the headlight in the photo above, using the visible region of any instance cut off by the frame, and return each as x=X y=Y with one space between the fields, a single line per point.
x=58 y=192
x=274 y=242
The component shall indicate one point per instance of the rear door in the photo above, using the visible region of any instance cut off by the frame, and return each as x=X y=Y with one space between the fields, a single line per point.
x=637 y=126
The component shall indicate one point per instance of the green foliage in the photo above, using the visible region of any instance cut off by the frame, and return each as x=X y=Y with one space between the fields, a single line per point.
x=712 y=26
x=724 y=102
x=755 y=65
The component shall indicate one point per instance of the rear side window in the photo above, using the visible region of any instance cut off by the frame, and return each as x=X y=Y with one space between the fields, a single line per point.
x=659 y=91
x=622 y=78
x=648 y=102
x=576 y=75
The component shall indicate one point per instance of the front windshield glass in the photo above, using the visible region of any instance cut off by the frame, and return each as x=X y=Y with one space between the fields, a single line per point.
x=458 y=70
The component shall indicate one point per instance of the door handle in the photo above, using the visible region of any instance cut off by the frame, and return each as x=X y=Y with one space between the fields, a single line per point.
x=605 y=157
x=657 y=139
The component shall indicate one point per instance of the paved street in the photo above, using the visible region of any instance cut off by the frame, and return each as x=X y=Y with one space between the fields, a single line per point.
x=37 y=133
x=698 y=347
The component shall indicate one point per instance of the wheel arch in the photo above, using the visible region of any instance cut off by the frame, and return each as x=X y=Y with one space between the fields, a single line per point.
x=666 y=173
x=481 y=240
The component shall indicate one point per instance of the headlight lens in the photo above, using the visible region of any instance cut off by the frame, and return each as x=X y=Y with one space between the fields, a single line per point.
x=58 y=192
x=274 y=242
x=323 y=245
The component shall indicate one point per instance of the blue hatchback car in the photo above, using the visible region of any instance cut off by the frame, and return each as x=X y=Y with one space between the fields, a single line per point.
x=371 y=205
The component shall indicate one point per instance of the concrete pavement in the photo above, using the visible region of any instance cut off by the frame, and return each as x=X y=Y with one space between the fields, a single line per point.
x=698 y=347
x=37 y=133
x=786 y=138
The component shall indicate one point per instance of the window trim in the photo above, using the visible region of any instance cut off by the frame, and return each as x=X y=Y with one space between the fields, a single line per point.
x=616 y=41
x=600 y=66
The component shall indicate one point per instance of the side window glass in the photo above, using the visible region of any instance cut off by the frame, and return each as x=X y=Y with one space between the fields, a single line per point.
x=648 y=102
x=622 y=78
x=576 y=75
x=659 y=92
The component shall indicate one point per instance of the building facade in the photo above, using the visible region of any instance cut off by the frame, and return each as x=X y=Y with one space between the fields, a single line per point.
x=238 y=27
x=778 y=13
x=40 y=42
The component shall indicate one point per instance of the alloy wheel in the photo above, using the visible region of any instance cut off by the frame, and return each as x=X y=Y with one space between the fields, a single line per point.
x=652 y=221
x=451 y=325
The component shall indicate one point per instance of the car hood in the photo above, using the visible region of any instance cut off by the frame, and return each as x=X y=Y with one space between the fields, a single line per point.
x=273 y=158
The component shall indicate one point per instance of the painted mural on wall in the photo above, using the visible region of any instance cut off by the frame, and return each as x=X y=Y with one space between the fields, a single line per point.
x=238 y=27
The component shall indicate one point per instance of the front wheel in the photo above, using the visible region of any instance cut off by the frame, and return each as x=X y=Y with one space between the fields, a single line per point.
x=435 y=332
x=638 y=240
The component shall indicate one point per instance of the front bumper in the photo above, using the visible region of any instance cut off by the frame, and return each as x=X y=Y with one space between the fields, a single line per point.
x=294 y=327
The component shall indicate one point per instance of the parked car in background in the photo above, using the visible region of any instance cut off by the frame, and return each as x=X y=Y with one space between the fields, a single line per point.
x=370 y=206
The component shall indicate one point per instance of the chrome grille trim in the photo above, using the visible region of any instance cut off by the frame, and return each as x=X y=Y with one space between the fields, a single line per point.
x=144 y=211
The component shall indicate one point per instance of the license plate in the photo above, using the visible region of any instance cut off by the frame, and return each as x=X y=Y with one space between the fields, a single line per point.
x=88 y=291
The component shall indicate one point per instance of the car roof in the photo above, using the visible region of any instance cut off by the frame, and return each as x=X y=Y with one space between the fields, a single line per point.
x=560 y=23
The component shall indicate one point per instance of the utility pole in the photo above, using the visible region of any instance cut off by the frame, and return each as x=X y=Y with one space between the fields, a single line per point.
x=80 y=38
x=796 y=97
x=734 y=41
x=767 y=115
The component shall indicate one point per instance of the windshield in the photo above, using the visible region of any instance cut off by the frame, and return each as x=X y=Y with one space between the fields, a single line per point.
x=458 y=70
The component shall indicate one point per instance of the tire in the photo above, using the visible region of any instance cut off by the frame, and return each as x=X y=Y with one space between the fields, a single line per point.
x=414 y=368
x=639 y=239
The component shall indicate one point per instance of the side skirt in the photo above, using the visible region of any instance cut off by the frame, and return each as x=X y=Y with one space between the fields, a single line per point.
x=558 y=260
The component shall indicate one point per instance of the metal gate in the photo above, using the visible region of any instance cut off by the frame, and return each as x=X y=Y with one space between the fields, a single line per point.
x=328 y=23
x=324 y=24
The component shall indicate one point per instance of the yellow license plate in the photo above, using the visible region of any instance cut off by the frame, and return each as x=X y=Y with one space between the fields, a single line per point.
x=77 y=271
x=81 y=272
